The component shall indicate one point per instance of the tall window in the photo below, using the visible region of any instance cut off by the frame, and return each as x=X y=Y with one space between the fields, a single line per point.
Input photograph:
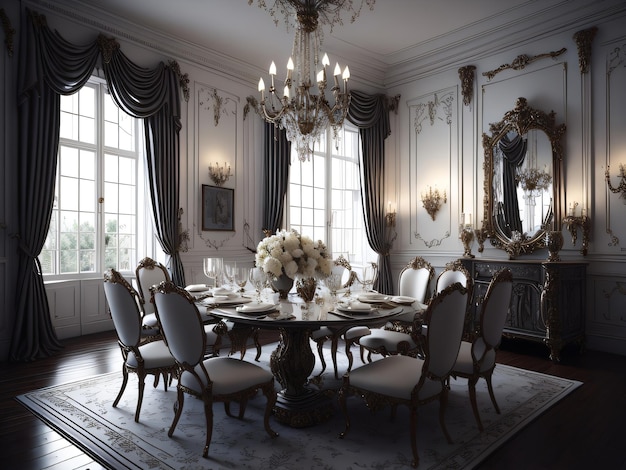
x=95 y=218
x=324 y=197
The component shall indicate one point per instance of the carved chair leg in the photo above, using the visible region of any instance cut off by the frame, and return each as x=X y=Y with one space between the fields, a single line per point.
x=270 y=393
x=413 y=436
x=142 y=386
x=471 y=384
x=443 y=404
x=123 y=387
x=178 y=410
x=208 y=414
x=491 y=394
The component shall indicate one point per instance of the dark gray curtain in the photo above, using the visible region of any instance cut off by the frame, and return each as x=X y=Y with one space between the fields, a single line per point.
x=152 y=95
x=277 y=159
x=49 y=67
x=514 y=153
x=370 y=114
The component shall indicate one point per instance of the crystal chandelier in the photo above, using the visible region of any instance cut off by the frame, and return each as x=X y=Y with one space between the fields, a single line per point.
x=295 y=107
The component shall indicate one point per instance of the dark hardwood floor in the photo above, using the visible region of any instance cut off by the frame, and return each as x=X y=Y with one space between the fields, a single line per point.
x=586 y=430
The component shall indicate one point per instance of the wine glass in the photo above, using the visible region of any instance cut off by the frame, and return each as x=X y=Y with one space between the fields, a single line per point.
x=258 y=278
x=333 y=283
x=369 y=273
x=230 y=268
x=213 y=269
x=241 y=277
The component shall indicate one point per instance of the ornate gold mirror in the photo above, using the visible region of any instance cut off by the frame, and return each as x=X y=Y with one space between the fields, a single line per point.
x=523 y=191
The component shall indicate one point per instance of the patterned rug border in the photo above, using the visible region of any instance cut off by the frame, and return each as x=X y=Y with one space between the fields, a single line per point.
x=122 y=449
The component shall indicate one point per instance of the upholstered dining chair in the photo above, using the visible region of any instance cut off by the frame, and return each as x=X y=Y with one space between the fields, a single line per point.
x=142 y=355
x=149 y=273
x=216 y=379
x=478 y=358
x=402 y=335
x=343 y=269
x=405 y=380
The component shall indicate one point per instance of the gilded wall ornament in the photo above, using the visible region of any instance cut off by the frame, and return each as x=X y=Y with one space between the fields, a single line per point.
x=522 y=61
x=583 y=40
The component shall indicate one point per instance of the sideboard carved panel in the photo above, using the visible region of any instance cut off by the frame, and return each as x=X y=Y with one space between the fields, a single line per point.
x=547 y=303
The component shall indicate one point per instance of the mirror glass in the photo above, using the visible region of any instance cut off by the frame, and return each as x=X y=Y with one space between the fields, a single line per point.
x=522 y=183
x=523 y=160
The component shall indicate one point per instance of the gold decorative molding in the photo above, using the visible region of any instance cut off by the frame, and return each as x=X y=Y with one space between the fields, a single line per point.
x=251 y=103
x=9 y=31
x=522 y=61
x=107 y=46
x=394 y=103
x=466 y=75
x=583 y=39
x=434 y=241
x=183 y=79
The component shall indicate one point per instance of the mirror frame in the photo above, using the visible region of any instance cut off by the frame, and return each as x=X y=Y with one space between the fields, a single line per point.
x=522 y=119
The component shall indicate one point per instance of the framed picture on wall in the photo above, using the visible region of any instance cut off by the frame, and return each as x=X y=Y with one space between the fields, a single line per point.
x=218 y=205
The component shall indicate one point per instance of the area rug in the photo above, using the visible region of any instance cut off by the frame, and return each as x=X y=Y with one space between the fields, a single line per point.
x=82 y=412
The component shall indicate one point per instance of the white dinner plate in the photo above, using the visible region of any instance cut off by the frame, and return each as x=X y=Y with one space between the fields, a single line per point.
x=403 y=299
x=226 y=301
x=372 y=297
x=255 y=307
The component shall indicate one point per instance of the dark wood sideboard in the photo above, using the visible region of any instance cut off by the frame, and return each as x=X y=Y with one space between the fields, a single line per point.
x=547 y=304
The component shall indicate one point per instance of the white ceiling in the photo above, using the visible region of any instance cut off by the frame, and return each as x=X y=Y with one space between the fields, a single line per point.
x=393 y=34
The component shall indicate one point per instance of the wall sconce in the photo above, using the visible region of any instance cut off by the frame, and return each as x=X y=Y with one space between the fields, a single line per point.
x=390 y=217
x=433 y=201
x=573 y=223
x=219 y=174
x=622 y=184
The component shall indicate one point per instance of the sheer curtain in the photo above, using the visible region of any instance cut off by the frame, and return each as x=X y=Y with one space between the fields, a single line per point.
x=49 y=66
x=370 y=113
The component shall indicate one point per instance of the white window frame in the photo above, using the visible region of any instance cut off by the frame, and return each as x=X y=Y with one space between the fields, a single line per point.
x=325 y=152
x=144 y=237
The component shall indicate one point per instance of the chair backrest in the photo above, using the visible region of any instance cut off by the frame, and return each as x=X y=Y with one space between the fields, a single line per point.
x=180 y=323
x=454 y=272
x=415 y=279
x=122 y=301
x=348 y=276
x=495 y=307
x=445 y=318
x=149 y=273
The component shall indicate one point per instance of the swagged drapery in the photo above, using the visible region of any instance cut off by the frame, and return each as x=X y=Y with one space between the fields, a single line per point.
x=277 y=159
x=370 y=114
x=152 y=95
x=513 y=152
x=49 y=67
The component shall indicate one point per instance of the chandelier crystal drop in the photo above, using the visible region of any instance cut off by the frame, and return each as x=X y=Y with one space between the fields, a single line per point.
x=294 y=106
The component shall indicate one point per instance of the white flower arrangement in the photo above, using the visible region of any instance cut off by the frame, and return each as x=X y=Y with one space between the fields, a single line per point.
x=292 y=254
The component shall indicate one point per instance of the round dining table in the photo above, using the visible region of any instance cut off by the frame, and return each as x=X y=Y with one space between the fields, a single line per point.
x=292 y=361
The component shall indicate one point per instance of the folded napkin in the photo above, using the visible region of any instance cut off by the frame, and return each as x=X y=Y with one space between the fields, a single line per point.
x=255 y=307
x=359 y=306
x=223 y=291
x=196 y=288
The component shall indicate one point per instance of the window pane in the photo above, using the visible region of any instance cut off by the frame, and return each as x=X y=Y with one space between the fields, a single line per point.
x=84 y=236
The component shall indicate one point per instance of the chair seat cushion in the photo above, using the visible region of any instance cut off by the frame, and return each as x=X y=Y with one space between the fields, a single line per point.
x=155 y=355
x=149 y=320
x=394 y=376
x=321 y=332
x=357 y=332
x=229 y=375
x=464 y=362
x=379 y=338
